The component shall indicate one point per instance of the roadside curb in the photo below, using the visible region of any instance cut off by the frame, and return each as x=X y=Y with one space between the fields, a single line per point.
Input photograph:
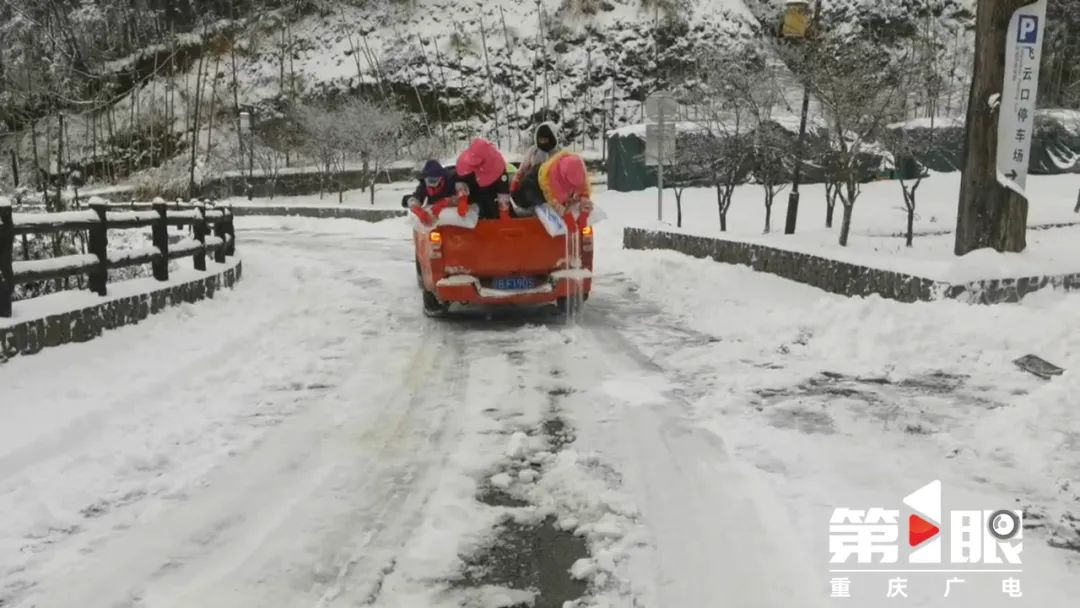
x=84 y=324
x=367 y=215
x=845 y=278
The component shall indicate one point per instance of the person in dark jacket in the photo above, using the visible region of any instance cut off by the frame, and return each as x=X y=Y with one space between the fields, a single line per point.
x=436 y=183
x=545 y=144
x=480 y=174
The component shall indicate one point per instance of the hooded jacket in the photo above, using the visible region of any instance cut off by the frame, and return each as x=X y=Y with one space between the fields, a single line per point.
x=427 y=196
x=537 y=154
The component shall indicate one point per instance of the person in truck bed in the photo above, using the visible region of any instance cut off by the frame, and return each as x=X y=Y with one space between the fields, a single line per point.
x=436 y=183
x=546 y=143
x=480 y=174
x=560 y=181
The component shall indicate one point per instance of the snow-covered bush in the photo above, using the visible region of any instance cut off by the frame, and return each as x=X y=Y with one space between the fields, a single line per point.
x=169 y=181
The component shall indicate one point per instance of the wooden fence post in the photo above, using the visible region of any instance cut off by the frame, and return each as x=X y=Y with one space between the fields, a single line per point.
x=179 y=204
x=7 y=244
x=219 y=232
x=160 y=233
x=15 y=168
x=230 y=232
x=98 y=245
x=199 y=230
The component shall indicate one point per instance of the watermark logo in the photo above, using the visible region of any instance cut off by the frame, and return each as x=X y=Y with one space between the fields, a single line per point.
x=936 y=544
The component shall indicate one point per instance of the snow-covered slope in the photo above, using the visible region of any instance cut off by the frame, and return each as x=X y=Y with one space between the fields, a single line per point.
x=599 y=54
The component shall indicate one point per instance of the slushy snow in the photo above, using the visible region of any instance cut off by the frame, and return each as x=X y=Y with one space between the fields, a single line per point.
x=310 y=438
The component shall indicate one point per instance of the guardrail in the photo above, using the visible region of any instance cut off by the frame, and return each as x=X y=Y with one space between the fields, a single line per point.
x=97 y=221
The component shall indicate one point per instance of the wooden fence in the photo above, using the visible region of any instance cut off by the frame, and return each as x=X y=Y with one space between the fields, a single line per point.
x=212 y=232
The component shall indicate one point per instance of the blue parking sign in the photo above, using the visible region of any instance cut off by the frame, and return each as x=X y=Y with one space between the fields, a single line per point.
x=1028 y=32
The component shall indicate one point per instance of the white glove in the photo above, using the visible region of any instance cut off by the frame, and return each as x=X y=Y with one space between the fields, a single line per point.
x=413 y=201
x=462 y=189
x=503 y=199
x=586 y=206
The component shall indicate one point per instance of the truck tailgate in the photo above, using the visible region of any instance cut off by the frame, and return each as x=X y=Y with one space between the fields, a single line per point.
x=518 y=246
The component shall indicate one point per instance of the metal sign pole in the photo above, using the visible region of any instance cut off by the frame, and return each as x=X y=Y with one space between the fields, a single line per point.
x=660 y=167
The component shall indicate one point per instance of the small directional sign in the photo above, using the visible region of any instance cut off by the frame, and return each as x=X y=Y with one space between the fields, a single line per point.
x=1016 y=124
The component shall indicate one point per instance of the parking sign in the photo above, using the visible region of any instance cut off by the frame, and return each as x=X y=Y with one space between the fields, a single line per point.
x=1028 y=30
x=1016 y=122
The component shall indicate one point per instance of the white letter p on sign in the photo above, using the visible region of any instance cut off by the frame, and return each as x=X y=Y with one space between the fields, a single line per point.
x=1028 y=32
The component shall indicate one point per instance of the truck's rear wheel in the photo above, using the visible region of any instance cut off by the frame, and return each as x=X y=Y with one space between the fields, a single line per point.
x=432 y=306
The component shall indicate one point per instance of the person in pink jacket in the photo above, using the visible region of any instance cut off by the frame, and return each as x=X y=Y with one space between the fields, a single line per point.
x=480 y=174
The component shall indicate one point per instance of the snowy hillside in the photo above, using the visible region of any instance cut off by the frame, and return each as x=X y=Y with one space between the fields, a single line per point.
x=462 y=68
x=481 y=66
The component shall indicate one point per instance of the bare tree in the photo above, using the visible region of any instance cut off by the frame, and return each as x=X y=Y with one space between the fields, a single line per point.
x=372 y=134
x=857 y=84
x=273 y=142
x=356 y=130
x=689 y=168
x=833 y=173
x=757 y=89
x=320 y=142
x=771 y=164
x=913 y=141
x=269 y=160
x=718 y=159
x=906 y=149
x=725 y=119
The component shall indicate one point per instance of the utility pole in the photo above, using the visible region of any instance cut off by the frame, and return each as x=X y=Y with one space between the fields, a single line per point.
x=60 y=177
x=800 y=144
x=251 y=152
x=660 y=166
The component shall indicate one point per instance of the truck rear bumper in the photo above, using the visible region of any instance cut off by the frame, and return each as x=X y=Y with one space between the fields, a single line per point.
x=467 y=289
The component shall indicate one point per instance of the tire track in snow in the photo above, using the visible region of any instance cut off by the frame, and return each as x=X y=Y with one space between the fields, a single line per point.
x=398 y=515
x=155 y=522
x=716 y=530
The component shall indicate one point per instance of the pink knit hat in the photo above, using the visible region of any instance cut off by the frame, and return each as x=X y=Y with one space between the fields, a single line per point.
x=564 y=175
x=483 y=159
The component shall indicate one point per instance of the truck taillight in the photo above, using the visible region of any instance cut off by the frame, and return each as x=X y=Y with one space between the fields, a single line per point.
x=586 y=231
x=435 y=241
x=587 y=238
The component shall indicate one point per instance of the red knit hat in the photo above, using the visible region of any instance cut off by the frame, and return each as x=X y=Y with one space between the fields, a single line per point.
x=483 y=159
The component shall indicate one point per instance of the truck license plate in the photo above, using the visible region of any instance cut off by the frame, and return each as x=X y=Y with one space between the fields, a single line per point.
x=514 y=283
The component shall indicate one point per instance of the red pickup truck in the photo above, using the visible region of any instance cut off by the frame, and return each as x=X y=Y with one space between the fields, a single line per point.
x=512 y=260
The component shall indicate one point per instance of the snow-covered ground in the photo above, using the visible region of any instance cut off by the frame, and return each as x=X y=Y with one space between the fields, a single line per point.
x=387 y=196
x=878 y=222
x=309 y=438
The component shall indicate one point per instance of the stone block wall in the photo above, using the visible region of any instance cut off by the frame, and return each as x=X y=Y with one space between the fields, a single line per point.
x=842 y=277
x=82 y=325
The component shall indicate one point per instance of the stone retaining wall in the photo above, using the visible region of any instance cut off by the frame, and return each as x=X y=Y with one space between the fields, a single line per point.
x=301 y=184
x=82 y=325
x=842 y=277
x=367 y=215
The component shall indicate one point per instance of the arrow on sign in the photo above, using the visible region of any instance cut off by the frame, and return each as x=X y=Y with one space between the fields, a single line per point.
x=1012 y=175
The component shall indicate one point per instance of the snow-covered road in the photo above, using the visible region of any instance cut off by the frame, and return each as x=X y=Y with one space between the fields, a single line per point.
x=310 y=439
